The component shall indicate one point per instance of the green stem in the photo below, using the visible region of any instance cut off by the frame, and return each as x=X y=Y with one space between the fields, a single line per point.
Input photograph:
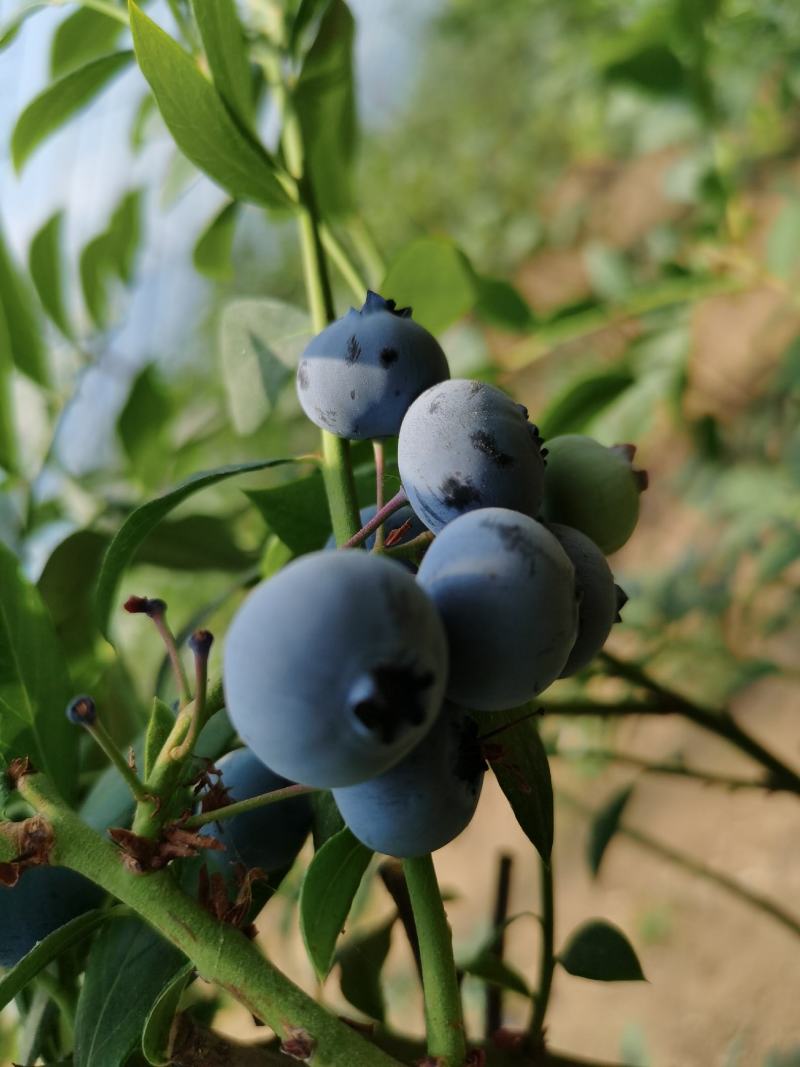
x=263 y=800
x=106 y=742
x=365 y=245
x=220 y=952
x=547 y=960
x=343 y=263
x=687 y=863
x=443 y=1013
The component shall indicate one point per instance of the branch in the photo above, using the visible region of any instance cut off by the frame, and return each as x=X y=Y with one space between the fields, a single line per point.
x=675 y=769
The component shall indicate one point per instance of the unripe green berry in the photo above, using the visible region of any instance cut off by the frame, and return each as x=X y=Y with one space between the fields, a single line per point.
x=593 y=489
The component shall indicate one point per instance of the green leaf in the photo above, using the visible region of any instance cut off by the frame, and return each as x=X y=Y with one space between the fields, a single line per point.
x=143 y=422
x=65 y=585
x=49 y=949
x=34 y=683
x=21 y=320
x=361 y=961
x=195 y=543
x=604 y=826
x=12 y=26
x=297 y=512
x=487 y=966
x=435 y=278
x=601 y=952
x=327 y=820
x=198 y=119
x=128 y=967
x=141 y=121
x=224 y=45
x=324 y=100
x=44 y=263
x=141 y=522
x=330 y=884
x=500 y=304
x=654 y=68
x=124 y=234
x=82 y=36
x=158 y=730
x=260 y=344
x=156 y=1044
x=522 y=770
x=581 y=401
x=8 y=432
x=60 y=101
x=94 y=267
x=306 y=13
x=212 y=252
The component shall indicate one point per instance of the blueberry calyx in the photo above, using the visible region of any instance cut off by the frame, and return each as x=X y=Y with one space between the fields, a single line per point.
x=389 y=698
x=375 y=302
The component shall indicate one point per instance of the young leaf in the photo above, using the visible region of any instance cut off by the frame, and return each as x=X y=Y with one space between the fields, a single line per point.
x=44 y=263
x=581 y=401
x=198 y=119
x=604 y=826
x=435 y=278
x=143 y=422
x=212 y=252
x=260 y=344
x=34 y=683
x=144 y=520
x=44 y=952
x=158 y=1025
x=8 y=433
x=158 y=730
x=16 y=301
x=601 y=952
x=224 y=45
x=326 y=896
x=94 y=268
x=324 y=100
x=60 y=101
x=523 y=773
x=127 y=970
x=82 y=36
x=361 y=961
x=124 y=234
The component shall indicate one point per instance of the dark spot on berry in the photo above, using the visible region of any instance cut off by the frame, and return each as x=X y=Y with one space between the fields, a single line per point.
x=326 y=417
x=352 y=394
x=459 y=494
x=486 y=442
x=302 y=375
x=515 y=541
x=435 y=404
x=475 y=388
x=388 y=356
x=353 y=350
x=397 y=392
x=397 y=701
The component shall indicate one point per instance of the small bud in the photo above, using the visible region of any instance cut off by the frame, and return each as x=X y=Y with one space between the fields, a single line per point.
x=142 y=605
x=200 y=643
x=82 y=711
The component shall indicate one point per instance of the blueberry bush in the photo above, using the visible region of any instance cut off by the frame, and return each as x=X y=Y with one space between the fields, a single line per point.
x=412 y=598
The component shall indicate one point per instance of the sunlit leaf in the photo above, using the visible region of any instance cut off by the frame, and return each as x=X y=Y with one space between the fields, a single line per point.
x=212 y=252
x=84 y=35
x=44 y=263
x=434 y=277
x=24 y=334
x=224 y=45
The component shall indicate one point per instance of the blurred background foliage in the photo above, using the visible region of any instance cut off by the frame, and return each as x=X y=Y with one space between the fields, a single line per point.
x=596 y=204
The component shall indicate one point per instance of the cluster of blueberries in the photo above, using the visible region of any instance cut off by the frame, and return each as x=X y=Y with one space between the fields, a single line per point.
x=347 y=672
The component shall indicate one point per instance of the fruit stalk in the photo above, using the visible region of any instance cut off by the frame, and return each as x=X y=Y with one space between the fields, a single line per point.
x=220 y=952
x=443 y=1014
x=240 y=807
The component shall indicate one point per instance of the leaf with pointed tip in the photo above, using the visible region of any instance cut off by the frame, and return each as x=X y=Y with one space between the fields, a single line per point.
x=326 y=896
x=601 y=952
x=199 y=121
x=361 y=961
x=604 y=826
x=435 y=278
x=48 y=111
x=44 y=263
x=488 y=966
x=523 y=772
x=212 y=252
x=34 y=683
x=82 y=36
x=158 y=1025
x=8 y=433
x=224 y=45
x=10 y=28
x=145 y=519
x=24 y=333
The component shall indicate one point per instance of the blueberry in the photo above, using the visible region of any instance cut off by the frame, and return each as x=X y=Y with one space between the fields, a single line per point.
x=592 y=488
x=424 y=801
x=358 y=377
x=335 y=668
x=44 y=899
x=466 y=445
x=505 y=589
x=599 y=596
x=268 y=837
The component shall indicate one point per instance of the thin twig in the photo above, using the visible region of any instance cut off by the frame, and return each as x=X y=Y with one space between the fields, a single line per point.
x=727 y=781
x=494 y=994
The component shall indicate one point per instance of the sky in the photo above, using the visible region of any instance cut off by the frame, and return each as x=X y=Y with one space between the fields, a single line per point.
x=88 y=165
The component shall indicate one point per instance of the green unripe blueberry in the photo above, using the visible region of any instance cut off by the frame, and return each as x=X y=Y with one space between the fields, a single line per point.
x=593 y=489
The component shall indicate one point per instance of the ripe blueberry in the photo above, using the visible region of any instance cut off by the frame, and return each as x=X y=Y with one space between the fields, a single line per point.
x=335 y=668
x=599 y=597
x=44 y=899
x=268 y=837
x=505 y=589
x=466 y=445
x=358 y=377
x=592 y=488
x=424 y=801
